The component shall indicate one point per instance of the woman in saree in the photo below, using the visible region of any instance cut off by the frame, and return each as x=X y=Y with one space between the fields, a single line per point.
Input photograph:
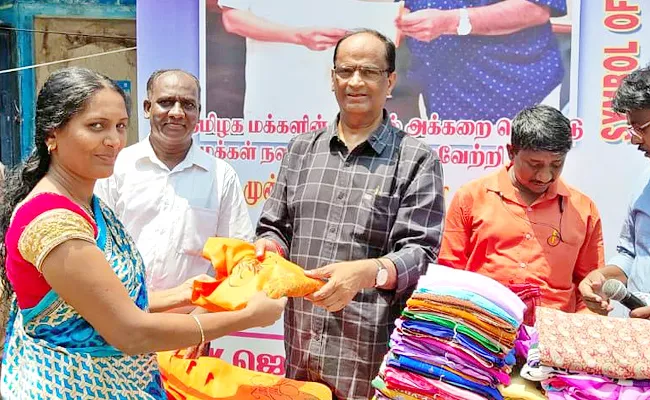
x=81 y=324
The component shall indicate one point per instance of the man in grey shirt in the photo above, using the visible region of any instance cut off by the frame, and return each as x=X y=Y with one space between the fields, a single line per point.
x=359 y=204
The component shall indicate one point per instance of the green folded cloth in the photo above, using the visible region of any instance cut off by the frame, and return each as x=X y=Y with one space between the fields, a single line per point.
x=458 y=327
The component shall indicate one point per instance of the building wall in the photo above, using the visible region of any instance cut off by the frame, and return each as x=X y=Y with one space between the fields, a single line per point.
x=22 y=14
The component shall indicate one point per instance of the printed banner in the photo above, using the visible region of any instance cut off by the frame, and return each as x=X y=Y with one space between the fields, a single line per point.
x=265 y=68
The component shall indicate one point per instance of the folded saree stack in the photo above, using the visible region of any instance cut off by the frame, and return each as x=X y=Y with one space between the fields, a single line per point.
x=589 y=357
x=455 y=339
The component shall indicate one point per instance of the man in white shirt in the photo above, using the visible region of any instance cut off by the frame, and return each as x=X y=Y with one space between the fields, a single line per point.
x=170 y=194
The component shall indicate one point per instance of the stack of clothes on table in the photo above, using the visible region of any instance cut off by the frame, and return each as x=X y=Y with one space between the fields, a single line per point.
x=588 y=356
x=455 y=339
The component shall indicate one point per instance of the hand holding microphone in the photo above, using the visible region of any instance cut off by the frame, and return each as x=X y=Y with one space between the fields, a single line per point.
x=616 y=290
x=591 y=291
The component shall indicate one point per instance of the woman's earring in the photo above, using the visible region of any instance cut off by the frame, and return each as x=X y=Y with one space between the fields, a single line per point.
x=51 y=147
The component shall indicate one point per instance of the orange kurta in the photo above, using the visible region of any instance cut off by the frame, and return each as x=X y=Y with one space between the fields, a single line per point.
x=553 y=243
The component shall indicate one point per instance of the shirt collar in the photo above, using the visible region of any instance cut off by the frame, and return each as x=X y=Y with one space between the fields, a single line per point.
x=195 y=156
x=378 y=140
x=501 y=184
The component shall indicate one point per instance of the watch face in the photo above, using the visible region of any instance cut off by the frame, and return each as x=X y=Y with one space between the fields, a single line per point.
x=382 y=277
x=464 y=24
x=464 y=30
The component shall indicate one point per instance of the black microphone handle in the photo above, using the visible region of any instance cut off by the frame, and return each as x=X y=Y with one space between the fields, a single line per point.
x=632 y=302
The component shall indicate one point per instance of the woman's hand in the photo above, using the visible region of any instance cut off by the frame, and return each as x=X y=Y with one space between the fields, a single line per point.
x=200 y=349
x=263 y=310
x=427 y=25
x=177 y=297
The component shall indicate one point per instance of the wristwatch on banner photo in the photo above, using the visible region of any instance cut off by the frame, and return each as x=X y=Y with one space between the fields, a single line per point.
x=464 y=24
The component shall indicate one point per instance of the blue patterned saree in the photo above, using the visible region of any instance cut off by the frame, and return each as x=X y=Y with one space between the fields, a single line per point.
x=50 y=350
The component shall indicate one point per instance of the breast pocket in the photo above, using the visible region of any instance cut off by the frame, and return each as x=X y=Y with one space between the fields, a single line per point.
x=376 y=216
x=197 y=226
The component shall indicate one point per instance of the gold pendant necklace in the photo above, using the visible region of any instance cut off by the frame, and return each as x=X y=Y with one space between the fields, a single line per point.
x=88 y=210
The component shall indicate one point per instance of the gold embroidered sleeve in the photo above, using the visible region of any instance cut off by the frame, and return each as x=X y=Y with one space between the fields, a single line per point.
x=49 y=230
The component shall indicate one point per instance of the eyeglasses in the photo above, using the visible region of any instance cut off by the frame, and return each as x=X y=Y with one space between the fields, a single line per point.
x=637 y=131
x=371 y=74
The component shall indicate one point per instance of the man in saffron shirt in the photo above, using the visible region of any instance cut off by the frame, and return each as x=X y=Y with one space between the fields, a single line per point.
x=523 y=225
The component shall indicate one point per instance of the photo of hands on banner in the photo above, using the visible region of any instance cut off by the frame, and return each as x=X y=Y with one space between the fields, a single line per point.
x=257 y=51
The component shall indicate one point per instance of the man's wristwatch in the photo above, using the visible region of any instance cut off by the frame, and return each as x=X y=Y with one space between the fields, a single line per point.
x=464 y=25
x=381 y=278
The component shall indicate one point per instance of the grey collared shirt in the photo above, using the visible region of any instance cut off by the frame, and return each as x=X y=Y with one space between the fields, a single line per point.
x=383 y=199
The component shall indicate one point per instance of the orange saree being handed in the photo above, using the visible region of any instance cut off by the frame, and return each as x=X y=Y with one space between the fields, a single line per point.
x=239 y=275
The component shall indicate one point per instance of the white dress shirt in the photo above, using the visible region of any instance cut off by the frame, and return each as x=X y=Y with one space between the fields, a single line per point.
x=170 y=214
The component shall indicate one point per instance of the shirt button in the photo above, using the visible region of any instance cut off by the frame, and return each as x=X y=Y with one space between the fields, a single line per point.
x=332 y=229
x=523 y=265
x=530 y=208
x=341 y=195
x=528 y=236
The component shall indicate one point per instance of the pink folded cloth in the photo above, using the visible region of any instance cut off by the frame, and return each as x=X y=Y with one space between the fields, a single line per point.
x=531 y=295
x=589 y=387
x=398 y=379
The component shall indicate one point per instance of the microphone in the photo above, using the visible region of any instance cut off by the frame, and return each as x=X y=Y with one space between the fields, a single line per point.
x=616 y=290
